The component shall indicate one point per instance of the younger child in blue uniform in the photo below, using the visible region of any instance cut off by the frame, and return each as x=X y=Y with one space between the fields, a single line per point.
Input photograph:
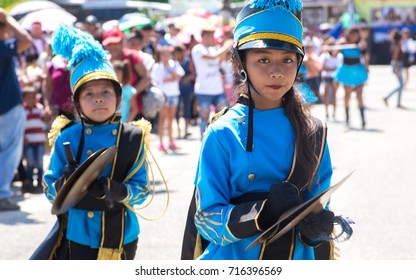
x=99 y=226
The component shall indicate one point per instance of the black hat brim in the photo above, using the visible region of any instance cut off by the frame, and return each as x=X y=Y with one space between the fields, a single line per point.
x=271 y=44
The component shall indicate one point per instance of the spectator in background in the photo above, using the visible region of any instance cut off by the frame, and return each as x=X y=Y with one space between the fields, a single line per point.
x=134 y=41
x=166 y=73
x=408 y=50
x=186 y=88
x=149 y=46
x=331 y=59
x=58 y=95
x=313 y=66
x=397 y=65
x=92 y=26
x=128 y=105
x=171 y=35
x=140 y=76
x=38 y=47
x=34 y=140
x=209 y=86
x=33 y=74
x=12 y=116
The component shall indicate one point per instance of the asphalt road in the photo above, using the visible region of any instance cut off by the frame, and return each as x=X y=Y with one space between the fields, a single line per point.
x=379 y=197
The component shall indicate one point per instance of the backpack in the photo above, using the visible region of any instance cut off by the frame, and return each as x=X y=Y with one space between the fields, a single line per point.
x=152 y=99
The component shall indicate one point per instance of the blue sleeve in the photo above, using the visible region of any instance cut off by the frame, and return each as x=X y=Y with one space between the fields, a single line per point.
x=213 y=192
x=137 y=185
x=55 y=169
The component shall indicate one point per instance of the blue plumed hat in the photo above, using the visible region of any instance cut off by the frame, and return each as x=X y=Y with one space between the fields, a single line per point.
x=87 y=59
x=272 y=24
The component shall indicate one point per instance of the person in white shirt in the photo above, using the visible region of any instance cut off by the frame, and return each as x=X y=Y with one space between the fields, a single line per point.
x=331 y=59
x=166 y=73
x=209 y=86
x=408 y=50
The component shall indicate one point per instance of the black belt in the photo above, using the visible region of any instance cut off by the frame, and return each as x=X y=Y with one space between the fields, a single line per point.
x=352 y=60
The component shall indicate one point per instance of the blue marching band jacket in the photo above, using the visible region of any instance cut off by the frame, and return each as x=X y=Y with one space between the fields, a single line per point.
x=227 y=176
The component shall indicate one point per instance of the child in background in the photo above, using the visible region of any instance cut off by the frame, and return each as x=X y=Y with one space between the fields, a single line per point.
x=331 y=59
x=34 y=140
x=167 y=72
x=128 y=107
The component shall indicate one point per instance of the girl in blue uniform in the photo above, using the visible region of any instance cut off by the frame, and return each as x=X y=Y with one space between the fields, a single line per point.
x=102 y=225
x=244 y=176
x=353 y=72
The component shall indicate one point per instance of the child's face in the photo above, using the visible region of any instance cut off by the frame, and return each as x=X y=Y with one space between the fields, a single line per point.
x=272 y=72
x=30 y=99
x=98 y=100
x=165 y=55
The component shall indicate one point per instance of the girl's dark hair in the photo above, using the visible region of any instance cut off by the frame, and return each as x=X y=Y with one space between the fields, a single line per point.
x=301 y=119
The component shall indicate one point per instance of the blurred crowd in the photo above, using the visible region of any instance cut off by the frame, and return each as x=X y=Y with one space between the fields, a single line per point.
x=151 y=54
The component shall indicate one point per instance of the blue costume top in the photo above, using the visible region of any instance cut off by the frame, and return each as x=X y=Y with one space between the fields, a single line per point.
x=226 y=171
x=352 y=72
x=84 y=227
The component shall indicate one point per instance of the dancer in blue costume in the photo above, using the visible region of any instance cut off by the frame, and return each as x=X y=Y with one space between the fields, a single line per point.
x=102 y=225
x=353 y=73
x=244 y=176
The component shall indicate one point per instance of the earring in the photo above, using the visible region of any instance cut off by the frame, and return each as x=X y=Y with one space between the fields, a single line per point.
x=243 y=76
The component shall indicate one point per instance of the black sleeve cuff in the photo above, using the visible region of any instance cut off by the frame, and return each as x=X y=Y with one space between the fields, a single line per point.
x=308 y=242
x=243 y=219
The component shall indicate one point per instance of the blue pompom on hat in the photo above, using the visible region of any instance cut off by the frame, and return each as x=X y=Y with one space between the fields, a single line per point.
x=87 y=59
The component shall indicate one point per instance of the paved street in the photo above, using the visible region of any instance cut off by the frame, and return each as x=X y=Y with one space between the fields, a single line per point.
x=379 y=197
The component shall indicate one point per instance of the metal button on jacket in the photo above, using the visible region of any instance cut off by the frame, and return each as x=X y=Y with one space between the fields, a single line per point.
x=90 y=214
x=88 y=131
x=89 y=152
x=114 y=132
x=252 y=176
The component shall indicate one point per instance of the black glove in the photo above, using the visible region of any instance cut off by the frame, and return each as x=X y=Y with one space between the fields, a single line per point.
x=68 y=170
x=105 y=187
x=281 y=198
x=317 y=226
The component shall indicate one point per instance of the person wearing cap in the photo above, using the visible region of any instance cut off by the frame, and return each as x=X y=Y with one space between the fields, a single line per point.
x=139 y=75
x=102 y=224
x=12 y=115
x=266 y=154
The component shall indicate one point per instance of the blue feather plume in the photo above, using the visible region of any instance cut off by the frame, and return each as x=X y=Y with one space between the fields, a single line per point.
x=76 y=45
x=306 y=92
x=292 y=6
